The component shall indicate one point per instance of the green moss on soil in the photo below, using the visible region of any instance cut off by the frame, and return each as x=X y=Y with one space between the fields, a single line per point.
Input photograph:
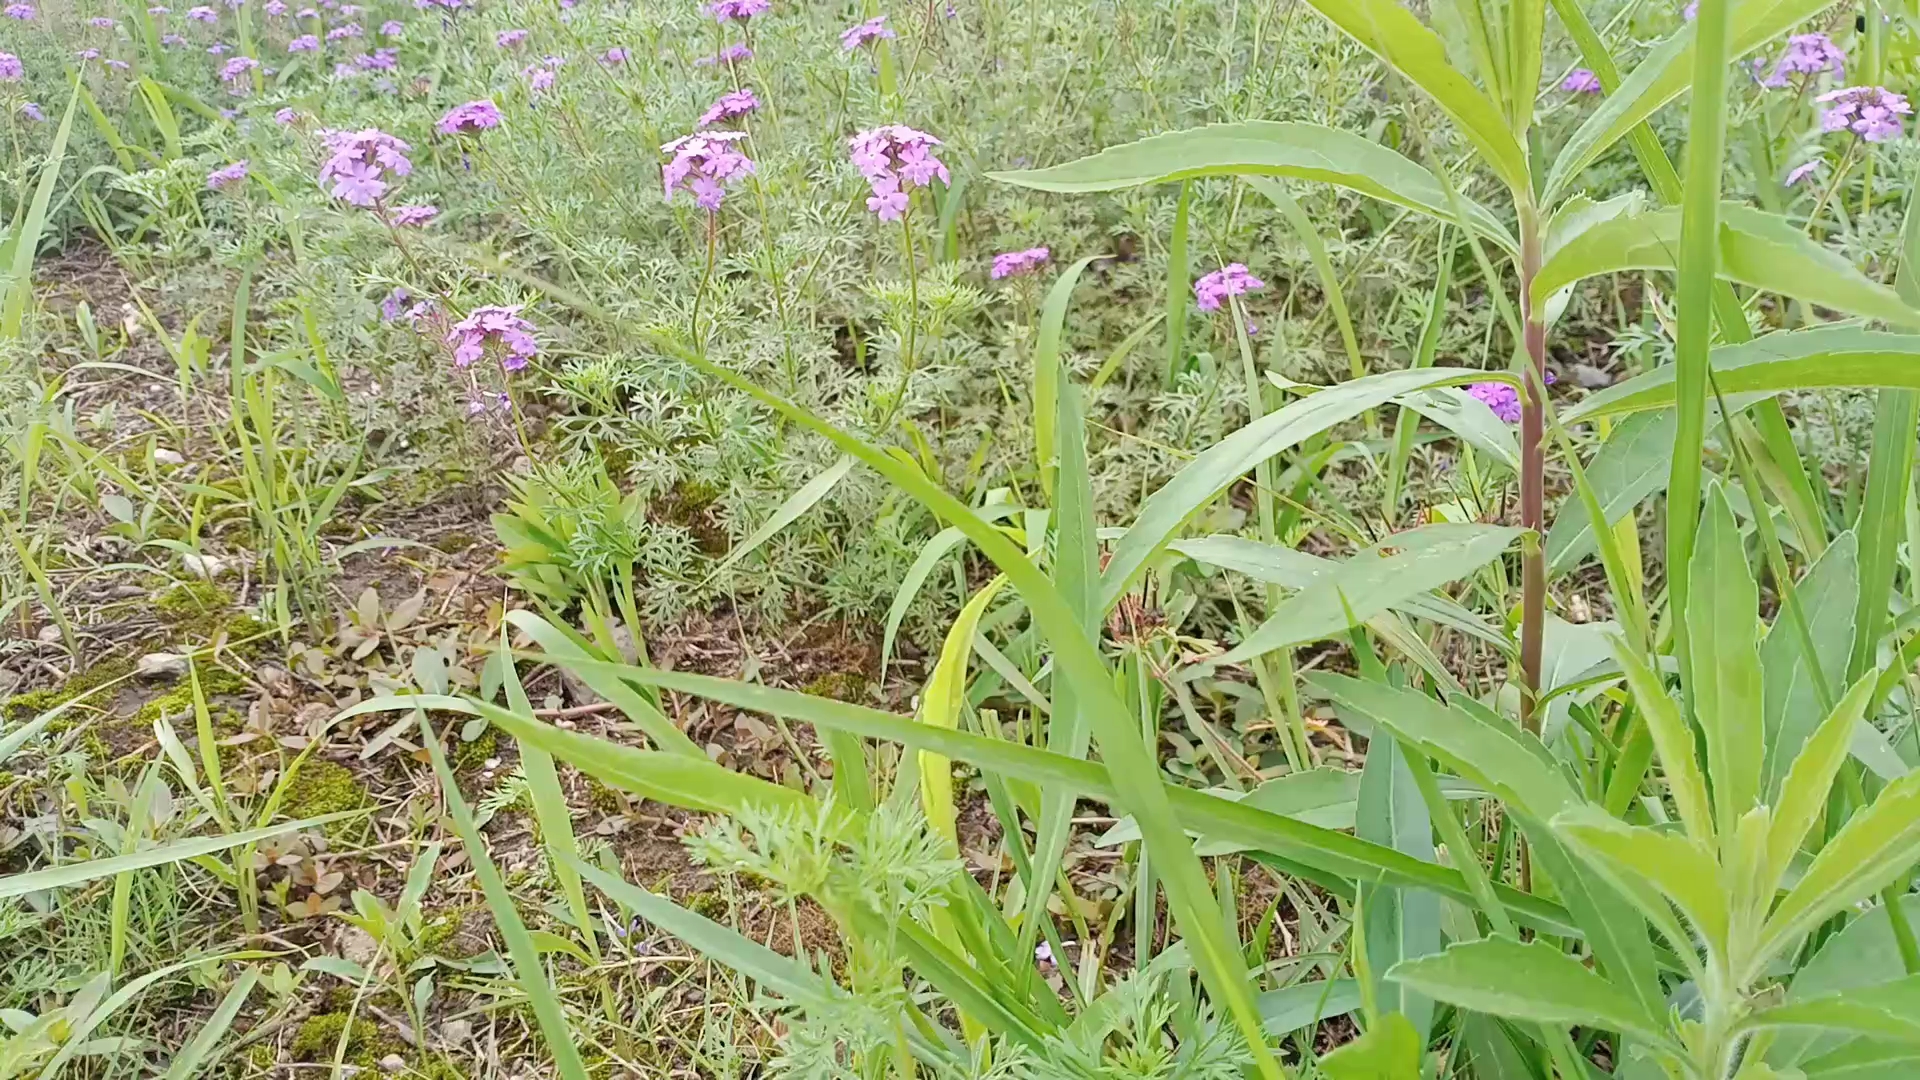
x=201 y=611
x=471 y=755
x=324 y=787
x=21 y=707
x=315 y=1040
x=849 y=686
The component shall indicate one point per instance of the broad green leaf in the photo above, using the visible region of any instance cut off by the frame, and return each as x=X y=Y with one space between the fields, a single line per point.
x=1570 y=653
x=1261 y=148
x=1882 y=518
x=1368 y=584
x=1399 y=924
x=1631 y=465
x=1866 y=1059
x=1534 y=981
x=1791 y=706
x=1295 y=569
x=1487 y=749
x=1674 y=743
x=941 y=704
x=1616 y=931
x=172 y=851
x=1888 y=1010
x=1469 y=418
x=1495 y=1048
x=789 y=511
x=1305 y=1004
x=1804 y=794
x=1390 y=1050
x=1723 y=614
x=1679 y=867
x=1816 y=359
x=1402 y=42
x=1875 y=847
x=1222 y=464
x=1665 y=74
x=1325 y=797
x=1759 y=249
x=686 y=783
x=1863 y=954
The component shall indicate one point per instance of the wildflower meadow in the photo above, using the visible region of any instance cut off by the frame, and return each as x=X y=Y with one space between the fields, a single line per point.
x=994 y=539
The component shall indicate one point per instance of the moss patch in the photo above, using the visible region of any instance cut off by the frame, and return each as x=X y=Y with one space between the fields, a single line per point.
x=202 y=611
x=471 y=755
x=177 y=702
x=34 y=702
x=848 y=686
x=316 y=1039
x=324 y=787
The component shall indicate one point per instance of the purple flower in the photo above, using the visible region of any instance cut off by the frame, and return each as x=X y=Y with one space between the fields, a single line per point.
x=203 y=14
x=507 y=39
x=1801 y=172
x=22 y=12
x=11 y=70
x=87 y=54
x=159 y=10
x=1581 y=81
x=724 y=10
x=101 y=22
x=223 y=178
x=1230 y=280
x=304 y=43
x=539 y=79
x=275 y=8
x=237 y=73
x=702 y=165
x=614 y=56
x=732 y=54
x=501 y=326
x=172 y=40
x=413 y=215
x=470 y=119
x=1502 y=398
x=216 y=49
x=392 y=28
x=1871 y=112
x=1691 y=11
x=394 y=304
x=350 y=30
x=118 y=65
x=1807 y=55
x=285 y=116
x=738 y=103
x=894 y=157
x=1015 y=263
x=872 y=30
x=306 y=13
x=480 y=400
x=358 y=162
x=32 y=112
x=378 y=60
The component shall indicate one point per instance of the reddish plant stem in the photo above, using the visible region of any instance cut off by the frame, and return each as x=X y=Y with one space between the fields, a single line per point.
x=1533 y=559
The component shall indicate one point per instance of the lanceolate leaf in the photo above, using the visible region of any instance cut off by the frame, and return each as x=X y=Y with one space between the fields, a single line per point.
x=693 y=784
x=1887 y=1011
x=1723 y=610
x=1759 y=249
x=1789 y=360
x=1875 y=847
x=1664 y=75
x=1400 y=924
x=1388 y=1051
x=1391 y=32
x=1226 y=461
x=1261 y=148
x=1535 y=981
x=1863 y=954
x=173 y=851
x=1790 y=706
x=1486 y=749
x=1631 y=465
x=1367 y=584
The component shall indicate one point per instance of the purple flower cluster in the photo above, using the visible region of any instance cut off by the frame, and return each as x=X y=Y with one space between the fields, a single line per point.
x=413 y=215
x=237 y=73
x=285 y=116
x=614 y=56
x=494 y=325
x=732 y=54
x=348 y=30
x=204 y=14
x=507 y=39
x=22 y=12
x=1581 y=81
x=31 y=111
x=894 y=157
x=222 y=178
x=304 y=43
x=540 y=77
x=1807 y=55
x=392 y=28
x=359 y=162
x=101 y=22
x=1501 y=397
x=216 y=49
x=11 y=70
x=1871 y=112
x=275 y=8
x=1230 y=280
x=703 y=164
x=860 y=34
x=1801 y=172
x=1014 y=263
x=725 y=10
x=470 y=119
x=378 y=60
x=737 y=103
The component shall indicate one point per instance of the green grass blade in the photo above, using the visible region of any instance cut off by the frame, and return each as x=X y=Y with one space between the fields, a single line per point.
x=550 y=810
x=1179 y=283
x=199 y=1053
x=1047 y=373
x=26 y=239
x=60 y=877
x=1302 y=226
x=525 y=957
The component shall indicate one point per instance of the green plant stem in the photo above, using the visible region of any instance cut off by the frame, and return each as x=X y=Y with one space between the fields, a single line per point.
x=1533 y=558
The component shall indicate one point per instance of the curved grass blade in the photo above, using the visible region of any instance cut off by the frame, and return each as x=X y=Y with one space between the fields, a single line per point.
x=1839 y=356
